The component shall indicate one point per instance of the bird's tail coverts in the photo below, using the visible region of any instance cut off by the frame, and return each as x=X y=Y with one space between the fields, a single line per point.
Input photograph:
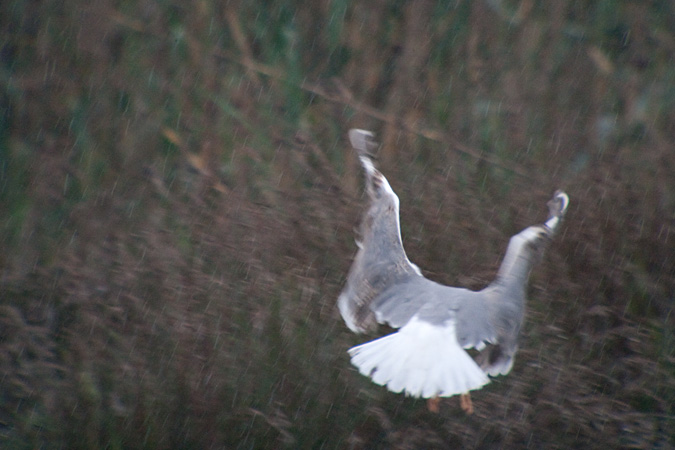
x=422 y=359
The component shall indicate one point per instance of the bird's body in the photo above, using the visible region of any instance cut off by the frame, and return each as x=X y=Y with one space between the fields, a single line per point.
x=426 y=357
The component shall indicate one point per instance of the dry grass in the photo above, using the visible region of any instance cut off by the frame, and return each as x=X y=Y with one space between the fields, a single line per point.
x=178 y=204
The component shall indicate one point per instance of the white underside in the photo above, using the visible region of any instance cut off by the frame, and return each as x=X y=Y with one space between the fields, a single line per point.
x=421 y=359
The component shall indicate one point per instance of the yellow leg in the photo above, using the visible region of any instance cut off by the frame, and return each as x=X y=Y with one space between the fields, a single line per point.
x=465 y=402
x=432 y=404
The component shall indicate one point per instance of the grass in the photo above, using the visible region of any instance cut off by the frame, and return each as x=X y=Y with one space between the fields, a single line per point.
x=178 y=205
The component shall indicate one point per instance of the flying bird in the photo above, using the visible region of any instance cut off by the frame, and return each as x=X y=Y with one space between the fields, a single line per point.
x=436 y=324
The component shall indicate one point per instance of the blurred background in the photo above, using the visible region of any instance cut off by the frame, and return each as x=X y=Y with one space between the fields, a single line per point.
x=178 y=202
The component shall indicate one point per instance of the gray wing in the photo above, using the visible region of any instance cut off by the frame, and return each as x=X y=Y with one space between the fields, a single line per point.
x=506 y=295
x=381 y=261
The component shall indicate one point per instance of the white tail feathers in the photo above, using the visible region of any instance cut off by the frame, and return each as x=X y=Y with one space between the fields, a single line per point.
x=422 y=359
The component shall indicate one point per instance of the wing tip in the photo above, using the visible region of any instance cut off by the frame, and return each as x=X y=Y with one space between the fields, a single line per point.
x=557 y=208
x=362 y=140
x=364 y=143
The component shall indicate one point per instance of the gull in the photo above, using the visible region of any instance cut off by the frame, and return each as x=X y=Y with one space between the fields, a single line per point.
x=436 y=324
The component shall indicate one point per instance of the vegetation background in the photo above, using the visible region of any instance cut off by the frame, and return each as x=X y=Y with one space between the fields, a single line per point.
x=178 y=199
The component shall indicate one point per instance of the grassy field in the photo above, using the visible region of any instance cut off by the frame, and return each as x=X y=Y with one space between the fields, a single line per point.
x=178 y=203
